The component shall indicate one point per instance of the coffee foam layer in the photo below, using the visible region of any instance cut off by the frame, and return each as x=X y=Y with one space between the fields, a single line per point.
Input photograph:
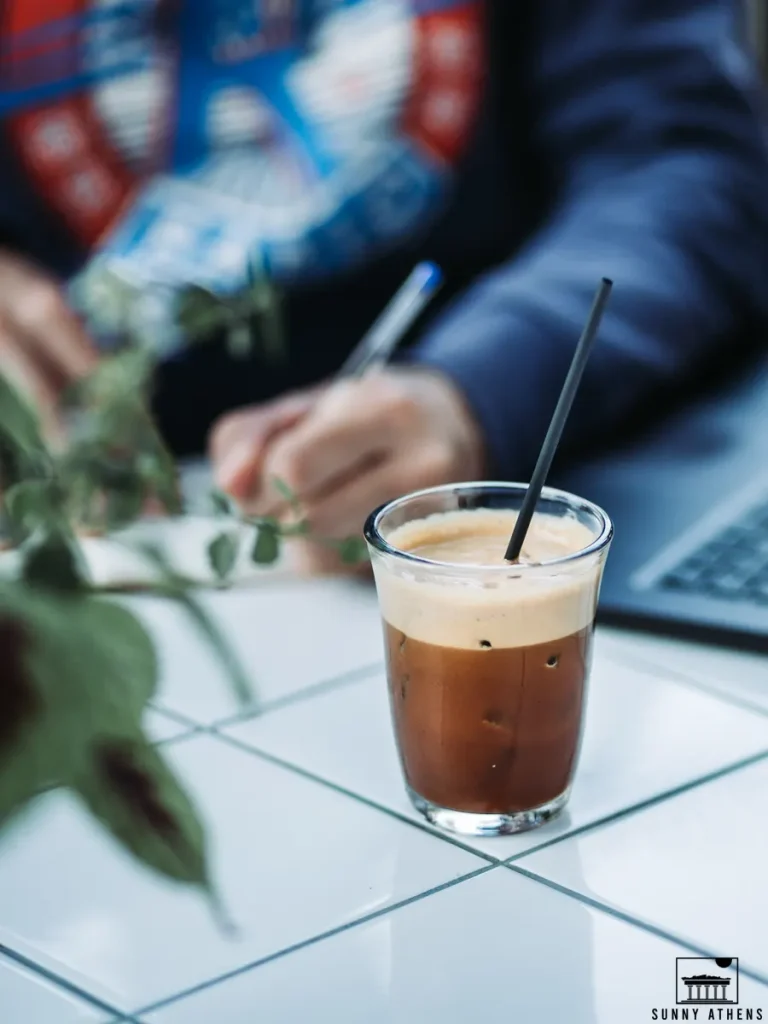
x=473 y=610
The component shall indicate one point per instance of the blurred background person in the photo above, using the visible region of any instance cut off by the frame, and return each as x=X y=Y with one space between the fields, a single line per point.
x=529 y=148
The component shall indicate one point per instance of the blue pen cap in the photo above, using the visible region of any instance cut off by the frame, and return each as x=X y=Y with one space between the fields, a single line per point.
x=430 y=276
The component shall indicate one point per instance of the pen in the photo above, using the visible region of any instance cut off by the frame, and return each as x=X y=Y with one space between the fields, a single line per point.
x=380 y=342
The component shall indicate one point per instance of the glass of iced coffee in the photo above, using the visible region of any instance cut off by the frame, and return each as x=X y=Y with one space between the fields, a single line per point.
x=487 y=661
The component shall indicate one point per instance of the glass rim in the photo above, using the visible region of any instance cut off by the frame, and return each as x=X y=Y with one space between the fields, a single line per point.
x=604 y=536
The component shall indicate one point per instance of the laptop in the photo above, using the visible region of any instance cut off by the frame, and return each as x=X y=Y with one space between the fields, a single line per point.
x=689 y=500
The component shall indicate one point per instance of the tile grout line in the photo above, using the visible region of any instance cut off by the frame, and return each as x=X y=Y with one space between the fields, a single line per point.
x=186 y=733
x=595 y=825
x=175 y=716
x=446 y=837
x=627 y=918
x=492 y=862
x=677 y=676
x=659 y=798
x=595 y=904
x=315 y=939
x=308 y=692
x=365 y=672
x=188 y=725
x=60 y=982
x=305 y=693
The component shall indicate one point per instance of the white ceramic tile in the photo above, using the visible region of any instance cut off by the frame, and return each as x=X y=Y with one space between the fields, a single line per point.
x=162 y=727
x=196 y=483
x=293 y=859
x=645 y=736
x=737 y=675
x=497 y=948
x=616 y=644
x=27 y=998
x=288 y=635
x=694 y=865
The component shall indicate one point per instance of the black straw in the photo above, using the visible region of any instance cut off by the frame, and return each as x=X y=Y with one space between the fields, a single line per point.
x=559 y=419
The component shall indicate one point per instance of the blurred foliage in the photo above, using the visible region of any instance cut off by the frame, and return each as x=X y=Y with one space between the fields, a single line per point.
x=77 y=674
x=77 y=669
x=201 y=314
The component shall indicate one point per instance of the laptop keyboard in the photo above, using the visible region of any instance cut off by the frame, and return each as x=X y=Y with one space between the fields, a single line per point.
x=732 y=564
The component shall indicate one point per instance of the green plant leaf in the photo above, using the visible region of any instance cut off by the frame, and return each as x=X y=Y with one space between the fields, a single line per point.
x=81 y=500
x=239 y=339
x=79 y=668
x=125 y=506
x=91 y=665
x=18 y=421
x=78 y=674
x=29 y=504
x=222 y=554
x=265 y=306
x=131 y=791
x=110 y=472
x=129 y=652
x=285 y=492
x=117 y=379
x=300 y=529
x=241 y=684
x=353 y=550
x=55 y=563
x=221 y=503
x=104 y=487
x=200 y=313
x=23 y=452
x=266 y=548
x=160 y=475
x=18 y=699
x=116 y=450
x=270 y=321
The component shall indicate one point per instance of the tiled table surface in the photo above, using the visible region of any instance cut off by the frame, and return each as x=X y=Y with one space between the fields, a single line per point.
x=349 y=909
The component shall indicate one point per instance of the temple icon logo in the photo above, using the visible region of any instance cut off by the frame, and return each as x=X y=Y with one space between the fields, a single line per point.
x=702 y=981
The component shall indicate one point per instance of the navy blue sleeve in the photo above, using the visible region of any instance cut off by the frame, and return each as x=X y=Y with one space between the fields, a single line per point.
x=648 y=110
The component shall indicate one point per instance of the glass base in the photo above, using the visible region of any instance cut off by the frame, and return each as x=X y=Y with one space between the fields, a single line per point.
x=467 y=824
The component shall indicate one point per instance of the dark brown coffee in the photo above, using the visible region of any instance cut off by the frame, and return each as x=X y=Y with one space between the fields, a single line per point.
x=488 y=730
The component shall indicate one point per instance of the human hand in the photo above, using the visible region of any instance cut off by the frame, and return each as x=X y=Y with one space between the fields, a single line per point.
x=239 y=441
x=348 y=448
x=43 y=345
